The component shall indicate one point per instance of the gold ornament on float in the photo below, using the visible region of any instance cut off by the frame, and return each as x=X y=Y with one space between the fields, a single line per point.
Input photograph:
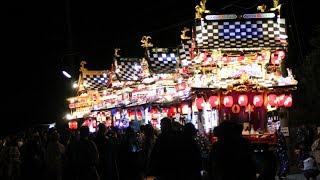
x=183 y=35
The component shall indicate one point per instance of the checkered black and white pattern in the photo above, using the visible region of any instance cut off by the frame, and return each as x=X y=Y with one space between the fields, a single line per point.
x=95 y=81
x=129 y=69
x=184 y=52
x=250 y=33
x=163 y=60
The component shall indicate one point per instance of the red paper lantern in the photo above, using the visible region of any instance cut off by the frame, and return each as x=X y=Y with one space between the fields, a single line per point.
x=243 y=100
x=275 y=60
x=214 y=101
x=287 y=101
x=73 y=125
x=257 y=100
x=228 y=101
x=180 y=87
x=72 y=105
x=208 y=61
x=200 y=103
x=281 y=99
x=225 y=59
x=70 y=125
x=172 y=111
x=272 y=100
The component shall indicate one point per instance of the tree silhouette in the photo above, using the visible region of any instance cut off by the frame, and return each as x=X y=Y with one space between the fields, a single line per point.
x=309 y=84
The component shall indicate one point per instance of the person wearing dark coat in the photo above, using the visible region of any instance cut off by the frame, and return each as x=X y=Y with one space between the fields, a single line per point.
x=108 y=167
x=168 y=157
x=231 y=156
x=84 y=157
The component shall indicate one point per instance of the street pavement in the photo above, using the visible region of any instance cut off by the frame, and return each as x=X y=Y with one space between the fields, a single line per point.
x=297 y=176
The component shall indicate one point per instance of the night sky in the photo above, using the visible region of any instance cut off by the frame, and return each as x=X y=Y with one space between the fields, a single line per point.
x=37 y=36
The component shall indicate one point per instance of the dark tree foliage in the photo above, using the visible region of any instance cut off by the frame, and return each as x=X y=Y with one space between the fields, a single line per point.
x=309 y=84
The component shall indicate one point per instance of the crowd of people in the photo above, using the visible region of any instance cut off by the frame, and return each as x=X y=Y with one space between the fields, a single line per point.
x=307 y=150
x=175 y=152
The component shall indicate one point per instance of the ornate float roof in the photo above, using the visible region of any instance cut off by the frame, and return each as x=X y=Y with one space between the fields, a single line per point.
x=225 y=31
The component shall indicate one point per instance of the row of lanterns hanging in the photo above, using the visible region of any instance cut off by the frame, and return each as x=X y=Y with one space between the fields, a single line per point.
x=282 y=100
x=276 y=58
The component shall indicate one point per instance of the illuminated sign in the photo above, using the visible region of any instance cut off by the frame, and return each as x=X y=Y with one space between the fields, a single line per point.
x=259 y=15
x=221 y=17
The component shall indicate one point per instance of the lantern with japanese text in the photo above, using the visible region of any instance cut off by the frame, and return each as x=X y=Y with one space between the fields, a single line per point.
x=214 y=101
x=228 y=101
x=257 y=100
x=73 y=125
x=272 y=100
x=200 y=103
x=243 y=100
x=287 y=101
x=281 y=99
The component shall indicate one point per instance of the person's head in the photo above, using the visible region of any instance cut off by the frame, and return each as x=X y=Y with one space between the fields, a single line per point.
x=148 y=130
x=189 y=129
x=84 y=132
x=54 y=136
x=166 y=124
x=176 y=126
x=102 y=128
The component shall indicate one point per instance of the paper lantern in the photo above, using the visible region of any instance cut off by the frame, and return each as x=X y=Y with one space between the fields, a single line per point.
x=73 y=124
x=172 y=111
x=72 y=105
x=214 y=101
x=281 y=99
x=180 y=87
x=272 y=100
x=200 y=103
x=228 y=101
x=243 y=100
x=287 y=101
x=184 y=108
x=257 y=100
x=276 y=60
x=225 y=59
x=277 y=57
x=70 y=125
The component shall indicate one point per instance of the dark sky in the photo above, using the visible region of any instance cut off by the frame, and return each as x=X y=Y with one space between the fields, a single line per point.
x=37 y=34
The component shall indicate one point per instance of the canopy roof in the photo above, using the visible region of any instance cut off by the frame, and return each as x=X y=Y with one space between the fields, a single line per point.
x=259 y=30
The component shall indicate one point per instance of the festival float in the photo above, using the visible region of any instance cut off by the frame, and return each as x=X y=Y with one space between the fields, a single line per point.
x=227 y=67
